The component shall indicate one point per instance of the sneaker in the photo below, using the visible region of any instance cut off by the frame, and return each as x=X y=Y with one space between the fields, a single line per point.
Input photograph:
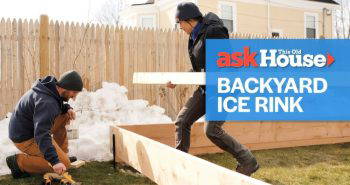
x=72 y=159
x=249 y=168
x=17 y=173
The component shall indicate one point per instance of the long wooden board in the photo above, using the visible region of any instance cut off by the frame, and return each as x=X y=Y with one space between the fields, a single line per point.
x=185 y=78
x=168 y=166
x=255 y=135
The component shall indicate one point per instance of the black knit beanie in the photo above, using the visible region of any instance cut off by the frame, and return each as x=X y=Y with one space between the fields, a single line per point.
x=186 y=11
x=71 y=80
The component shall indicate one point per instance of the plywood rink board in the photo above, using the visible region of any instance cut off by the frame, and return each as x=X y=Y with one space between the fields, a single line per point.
x=254 y=135
x=161 y=78
x=168 y=166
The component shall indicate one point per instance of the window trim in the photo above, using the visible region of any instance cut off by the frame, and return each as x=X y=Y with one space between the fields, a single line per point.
x=153 y=16
x=316 y=23
x=234 y=13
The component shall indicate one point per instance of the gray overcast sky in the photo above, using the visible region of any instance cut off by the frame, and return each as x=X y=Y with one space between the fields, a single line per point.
x=71 y=10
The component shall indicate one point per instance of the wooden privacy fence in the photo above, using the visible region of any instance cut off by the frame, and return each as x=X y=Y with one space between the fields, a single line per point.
x=30 y=49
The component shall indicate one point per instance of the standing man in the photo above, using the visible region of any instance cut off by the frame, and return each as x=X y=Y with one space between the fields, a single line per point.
x=37 y=126
x=199 y=29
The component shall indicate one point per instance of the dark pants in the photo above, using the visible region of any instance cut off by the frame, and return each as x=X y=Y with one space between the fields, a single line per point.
x=192 y=111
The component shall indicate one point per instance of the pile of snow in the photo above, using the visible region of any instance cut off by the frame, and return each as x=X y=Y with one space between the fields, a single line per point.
x=6 y=146
x=96 y=112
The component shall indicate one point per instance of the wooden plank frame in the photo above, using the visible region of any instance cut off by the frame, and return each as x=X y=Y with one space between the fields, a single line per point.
x=168 y=166
x=184 y=78
x=254 y=135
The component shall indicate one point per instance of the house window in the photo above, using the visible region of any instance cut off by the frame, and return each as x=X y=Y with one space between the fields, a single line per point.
x=227 y=16
x=147 y=21
x=310 y=26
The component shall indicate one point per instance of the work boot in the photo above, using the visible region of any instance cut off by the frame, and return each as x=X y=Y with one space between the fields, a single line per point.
x=72 y=159
x=16 y=172
x=248 y=168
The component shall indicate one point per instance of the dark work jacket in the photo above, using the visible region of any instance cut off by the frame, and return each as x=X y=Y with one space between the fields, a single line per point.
x=34 y=116
x=212 y=28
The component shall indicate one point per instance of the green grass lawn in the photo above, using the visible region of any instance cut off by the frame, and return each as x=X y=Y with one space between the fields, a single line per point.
x=93 y=173
x=318 y=165
x=324 y=164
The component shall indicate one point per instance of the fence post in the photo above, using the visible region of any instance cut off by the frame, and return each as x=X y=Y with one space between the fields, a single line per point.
x=107 y=67
x=21 y=59
x=121 y=55
x=44 y=45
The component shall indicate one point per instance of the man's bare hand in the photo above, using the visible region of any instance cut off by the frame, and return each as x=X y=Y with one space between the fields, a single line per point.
x=170 y=85
x=71 y=114
x=59 y=168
